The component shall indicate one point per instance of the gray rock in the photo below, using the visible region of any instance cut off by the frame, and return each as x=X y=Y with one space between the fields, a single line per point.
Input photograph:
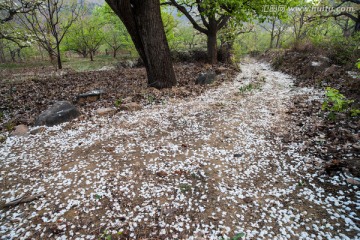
x=90 y=96
x=60 y=112
x=206 y=78
x=238 y=155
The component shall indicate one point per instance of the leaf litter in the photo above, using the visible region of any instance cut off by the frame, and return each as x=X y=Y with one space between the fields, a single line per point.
x=207 y=167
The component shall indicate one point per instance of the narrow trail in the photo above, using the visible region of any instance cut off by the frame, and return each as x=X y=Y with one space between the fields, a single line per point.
x=209 y=167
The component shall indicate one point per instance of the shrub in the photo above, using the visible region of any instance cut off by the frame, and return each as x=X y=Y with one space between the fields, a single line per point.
x=343 y=51
x=336 y=102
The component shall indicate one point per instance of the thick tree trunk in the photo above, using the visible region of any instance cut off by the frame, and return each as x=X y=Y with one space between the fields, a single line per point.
x=212 y=48
x=143 y=21
x=212 y=41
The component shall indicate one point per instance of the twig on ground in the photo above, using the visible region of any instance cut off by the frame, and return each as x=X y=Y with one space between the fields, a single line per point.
x=23 y=199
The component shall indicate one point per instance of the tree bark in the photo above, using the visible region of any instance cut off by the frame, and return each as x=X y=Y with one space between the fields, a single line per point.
x=59 y=63
x=212 y=41
x=272 y=35
x=212 y=48
x=357 y=24
x=143 y=21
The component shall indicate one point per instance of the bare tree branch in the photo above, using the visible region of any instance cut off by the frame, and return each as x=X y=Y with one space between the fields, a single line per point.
x=188 y=16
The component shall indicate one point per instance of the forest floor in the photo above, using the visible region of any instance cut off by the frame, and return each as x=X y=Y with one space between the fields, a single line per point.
x=221 y=165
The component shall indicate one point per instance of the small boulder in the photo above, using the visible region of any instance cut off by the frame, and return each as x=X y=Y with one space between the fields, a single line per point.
x=60 y=112
x=21 y=131
x=91 y=96
x=105 y=111
x=37 y=130
x=130 y=107
x=206 y=78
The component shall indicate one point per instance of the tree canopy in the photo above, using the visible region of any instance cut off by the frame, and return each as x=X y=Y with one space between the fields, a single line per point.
x=208 y=16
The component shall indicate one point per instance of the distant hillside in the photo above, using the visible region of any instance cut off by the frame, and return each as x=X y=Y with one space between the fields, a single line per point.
x=100 y=2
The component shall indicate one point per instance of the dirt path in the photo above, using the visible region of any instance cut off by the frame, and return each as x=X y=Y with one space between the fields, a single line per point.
x=209 y=167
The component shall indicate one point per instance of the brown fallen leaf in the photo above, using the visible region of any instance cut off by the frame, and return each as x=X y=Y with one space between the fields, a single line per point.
x=161 y=174
x=248 y=200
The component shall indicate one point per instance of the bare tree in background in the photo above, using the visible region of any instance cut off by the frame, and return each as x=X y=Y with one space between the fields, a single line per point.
x=276 y=27
x=49 y=24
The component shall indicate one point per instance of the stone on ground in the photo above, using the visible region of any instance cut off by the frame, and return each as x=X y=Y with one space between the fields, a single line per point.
x=91 y=96
x=206 y=78
x=60 y=112
x=21 y=130
x=105 y=111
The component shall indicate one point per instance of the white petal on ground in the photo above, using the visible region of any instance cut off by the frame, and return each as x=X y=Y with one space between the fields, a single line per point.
x=100 y=176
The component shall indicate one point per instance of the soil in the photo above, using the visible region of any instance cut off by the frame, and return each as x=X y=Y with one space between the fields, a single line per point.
x=339 y=143
x=27 y=92
x=223 y=164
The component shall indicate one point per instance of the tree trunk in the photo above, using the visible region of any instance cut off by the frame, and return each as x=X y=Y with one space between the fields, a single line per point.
x=2 y=53
x=212 y=48
x=13 y=55
x=58 y=56
x=278 y=40
x=84 y=54
x=91 y=56
x=143 y=21
x=212 y=41
x=115 y=52
x=52 y=57
x=357 y=25
x=272 y=36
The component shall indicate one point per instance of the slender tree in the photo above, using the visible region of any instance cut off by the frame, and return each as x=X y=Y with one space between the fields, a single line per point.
x=276 y=27
x=85 y=36
x=50 y=23
x=116 y=35
x=142 y=19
